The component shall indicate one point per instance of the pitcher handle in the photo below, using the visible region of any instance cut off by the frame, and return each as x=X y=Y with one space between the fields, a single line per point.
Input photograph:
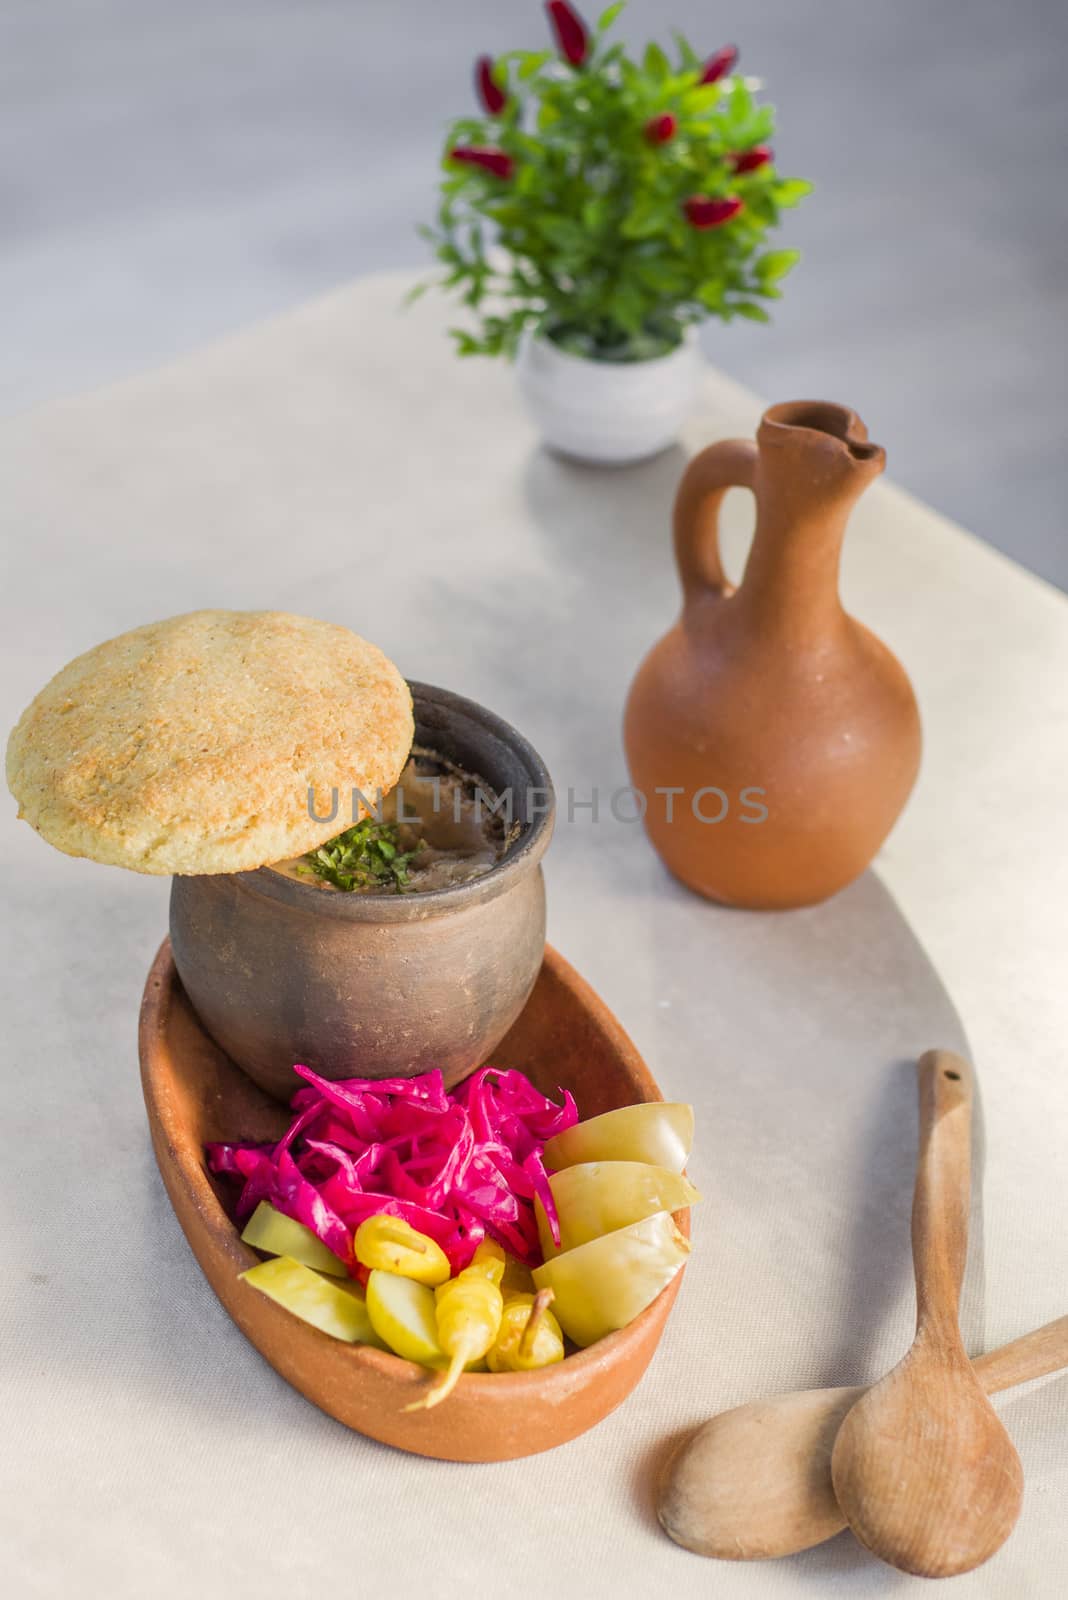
x=730 y=464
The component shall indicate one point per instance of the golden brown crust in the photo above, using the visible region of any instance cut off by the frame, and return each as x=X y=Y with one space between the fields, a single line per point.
x=189 y=746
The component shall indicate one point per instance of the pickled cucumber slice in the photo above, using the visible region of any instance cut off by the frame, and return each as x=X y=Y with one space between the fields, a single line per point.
x=277 y=1235
x=657 y=1131
x=603 y=1285
x=598 y=1197
x=404 y=1314
x=335 y=1308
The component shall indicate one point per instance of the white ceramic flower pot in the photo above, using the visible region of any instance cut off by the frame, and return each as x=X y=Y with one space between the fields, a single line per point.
x=607 y=411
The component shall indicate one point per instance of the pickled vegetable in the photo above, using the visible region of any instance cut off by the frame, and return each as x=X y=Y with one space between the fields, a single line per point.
x=598 y=1197
x=603 y=1285
x=338 y=1309
x=516 y=1279
x=455 y=1166
x=393 y=1245
x=490 y=1260
x=277 y=1235
x=657 y=1131
x=529 y=1335
x=469 y=1311
x=403 y=1316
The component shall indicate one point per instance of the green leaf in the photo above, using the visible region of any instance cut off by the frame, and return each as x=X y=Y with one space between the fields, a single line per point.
x=789 y=191
x=627 y=308
x=656 y=62
x=688 y=56
x=646 y=217
x=466 y=343
x=776 y=264
x=701 y=99
x=745 y=308
x=608 y=16
x=669 y=277
x=711 y=294
x=595 y=213
x=562 y=231
x=532 y=62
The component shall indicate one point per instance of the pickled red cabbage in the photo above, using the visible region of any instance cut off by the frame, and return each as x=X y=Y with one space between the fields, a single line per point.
x=456 y=1166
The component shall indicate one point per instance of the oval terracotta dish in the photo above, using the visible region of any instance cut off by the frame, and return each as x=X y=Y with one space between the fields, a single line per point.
x=564 y=1037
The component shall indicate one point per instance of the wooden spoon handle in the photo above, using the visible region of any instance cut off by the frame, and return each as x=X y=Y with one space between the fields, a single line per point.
x=1033 y=1355
x=942 y=1195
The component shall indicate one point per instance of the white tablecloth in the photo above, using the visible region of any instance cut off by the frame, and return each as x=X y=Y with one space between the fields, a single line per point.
x=342 y=463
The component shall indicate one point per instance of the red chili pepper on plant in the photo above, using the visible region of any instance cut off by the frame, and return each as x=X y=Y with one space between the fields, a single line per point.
x=658 y=130
x=570 y=31
x=489 y=91
x=485 y=156
x=703 y=212
x=718 y=66
x=750 y=160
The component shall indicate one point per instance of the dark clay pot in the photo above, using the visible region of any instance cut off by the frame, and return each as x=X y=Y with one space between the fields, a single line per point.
x=376 y=986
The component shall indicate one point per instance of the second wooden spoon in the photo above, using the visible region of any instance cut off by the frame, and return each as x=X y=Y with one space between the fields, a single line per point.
x=755 y=1482
x=925 y=1473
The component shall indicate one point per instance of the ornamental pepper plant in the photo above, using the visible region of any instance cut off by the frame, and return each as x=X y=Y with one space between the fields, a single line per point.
x=608 y=203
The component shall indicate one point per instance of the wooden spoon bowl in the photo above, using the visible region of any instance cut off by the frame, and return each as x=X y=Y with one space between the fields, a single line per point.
x=565 y=1037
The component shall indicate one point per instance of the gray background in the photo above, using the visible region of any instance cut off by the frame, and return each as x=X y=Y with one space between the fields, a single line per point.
x=168 y=172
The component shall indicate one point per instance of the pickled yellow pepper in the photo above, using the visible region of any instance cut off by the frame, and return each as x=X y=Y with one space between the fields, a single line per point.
x=469 y=1309
x=490 y=1260
x=529 y=1336
x=393 y=1245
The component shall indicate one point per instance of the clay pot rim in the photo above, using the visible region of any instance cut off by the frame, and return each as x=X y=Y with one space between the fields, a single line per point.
x=520 y=857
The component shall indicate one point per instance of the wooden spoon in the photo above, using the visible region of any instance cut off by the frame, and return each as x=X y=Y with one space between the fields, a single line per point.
x=755 y=1482
x=924 y=1472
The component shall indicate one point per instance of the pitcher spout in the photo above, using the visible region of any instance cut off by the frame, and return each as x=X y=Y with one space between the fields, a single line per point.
x=822 y=432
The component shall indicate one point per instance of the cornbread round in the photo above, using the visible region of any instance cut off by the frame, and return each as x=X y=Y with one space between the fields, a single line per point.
x=190 y=745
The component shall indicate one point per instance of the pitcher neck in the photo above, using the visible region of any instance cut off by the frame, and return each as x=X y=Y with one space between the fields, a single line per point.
x=791 y=576
x=814 y=463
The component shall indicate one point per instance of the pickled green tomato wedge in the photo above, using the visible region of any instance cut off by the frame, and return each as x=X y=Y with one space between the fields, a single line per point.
x=598 y=1197
x=601 y=1286
x=335 y=1308
x=404 y=1314
x=277 y=1235
x=657 y=1131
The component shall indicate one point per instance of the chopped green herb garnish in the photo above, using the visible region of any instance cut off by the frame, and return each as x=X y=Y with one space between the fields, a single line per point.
x=365 y=856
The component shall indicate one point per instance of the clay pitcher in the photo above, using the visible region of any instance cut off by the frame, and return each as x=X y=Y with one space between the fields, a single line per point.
x=788 y=732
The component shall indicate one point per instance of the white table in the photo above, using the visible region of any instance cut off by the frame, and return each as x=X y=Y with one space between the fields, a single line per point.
x=341 y=462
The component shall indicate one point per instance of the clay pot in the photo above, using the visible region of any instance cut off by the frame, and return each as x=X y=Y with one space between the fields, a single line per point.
x=789 y=731
x=376 y=986
x=565 y=1038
